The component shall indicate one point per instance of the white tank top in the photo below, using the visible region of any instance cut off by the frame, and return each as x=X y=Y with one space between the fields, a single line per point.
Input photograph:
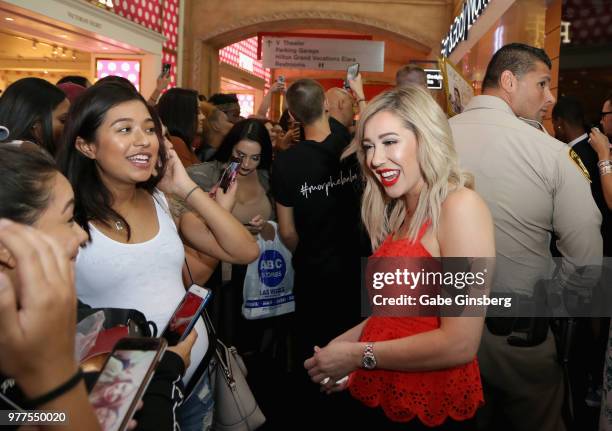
x=144 y=276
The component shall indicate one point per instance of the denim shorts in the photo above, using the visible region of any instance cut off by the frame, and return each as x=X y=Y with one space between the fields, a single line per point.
x=196 y=412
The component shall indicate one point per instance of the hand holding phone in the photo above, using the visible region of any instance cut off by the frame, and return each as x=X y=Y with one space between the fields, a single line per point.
x=124 y=379
x=351 y=73
x=166 y=69
x=229 y=175
x=183 y=349
x=187 y=313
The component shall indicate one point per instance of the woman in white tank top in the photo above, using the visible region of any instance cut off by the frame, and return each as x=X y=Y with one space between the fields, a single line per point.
x=120 y=173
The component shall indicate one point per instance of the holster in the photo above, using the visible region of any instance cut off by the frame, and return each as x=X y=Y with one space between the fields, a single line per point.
x=527 y=331
x=521 y=331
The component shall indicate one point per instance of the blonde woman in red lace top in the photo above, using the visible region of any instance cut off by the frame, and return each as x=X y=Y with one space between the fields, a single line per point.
x=420 y=370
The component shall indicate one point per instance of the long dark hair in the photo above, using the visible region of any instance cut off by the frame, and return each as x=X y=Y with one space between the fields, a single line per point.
x=178 y=110
x=26 y=102
x=93 y=200
x=25 y=189
x=251 y=129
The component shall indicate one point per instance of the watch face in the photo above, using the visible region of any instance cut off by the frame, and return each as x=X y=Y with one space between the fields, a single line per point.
x=369 y=362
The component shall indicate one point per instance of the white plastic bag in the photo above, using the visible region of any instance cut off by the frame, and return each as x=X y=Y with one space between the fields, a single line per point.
x=268 y=284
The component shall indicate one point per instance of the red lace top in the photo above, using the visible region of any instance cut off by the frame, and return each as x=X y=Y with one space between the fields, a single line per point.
x=431 y=395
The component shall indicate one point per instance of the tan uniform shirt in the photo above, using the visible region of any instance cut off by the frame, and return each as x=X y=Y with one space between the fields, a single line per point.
x=532 y=187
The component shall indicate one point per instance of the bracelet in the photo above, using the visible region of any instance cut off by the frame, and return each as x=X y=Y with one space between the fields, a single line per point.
x=57 y=392
x=605 y=170
x=190 y=192
x=603 y=163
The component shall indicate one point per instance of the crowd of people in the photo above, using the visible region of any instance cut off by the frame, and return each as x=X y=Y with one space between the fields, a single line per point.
x=112 y=201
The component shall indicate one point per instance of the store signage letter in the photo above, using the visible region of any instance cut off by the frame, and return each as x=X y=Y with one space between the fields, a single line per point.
x=471 y=11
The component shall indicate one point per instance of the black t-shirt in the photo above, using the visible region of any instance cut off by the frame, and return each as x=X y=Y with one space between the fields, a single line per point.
x=324 y=194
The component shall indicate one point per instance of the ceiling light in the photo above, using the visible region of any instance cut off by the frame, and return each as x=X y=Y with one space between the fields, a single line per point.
x=105 y=48
x=73 y=54
x=8 y=18
x=63 y=36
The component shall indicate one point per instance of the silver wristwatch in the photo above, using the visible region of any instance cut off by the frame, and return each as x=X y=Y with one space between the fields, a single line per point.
x=368 y=360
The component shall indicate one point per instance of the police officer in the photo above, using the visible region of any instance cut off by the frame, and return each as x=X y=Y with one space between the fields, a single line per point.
x=534 y=185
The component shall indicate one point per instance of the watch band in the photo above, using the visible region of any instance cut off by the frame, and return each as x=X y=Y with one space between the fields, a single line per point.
x=368 y=361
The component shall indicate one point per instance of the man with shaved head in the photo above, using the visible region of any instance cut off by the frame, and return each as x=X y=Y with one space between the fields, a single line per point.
x=411 y=74
x=341 y=103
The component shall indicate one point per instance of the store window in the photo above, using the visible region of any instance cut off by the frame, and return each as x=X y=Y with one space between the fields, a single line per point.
x=128 y=69
x=243 y=55
x=247 y=104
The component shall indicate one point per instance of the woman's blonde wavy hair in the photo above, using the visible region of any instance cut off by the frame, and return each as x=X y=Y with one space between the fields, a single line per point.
x=436 y=155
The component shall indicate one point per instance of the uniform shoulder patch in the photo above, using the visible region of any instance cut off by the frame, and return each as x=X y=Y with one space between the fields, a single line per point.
x=574 y=157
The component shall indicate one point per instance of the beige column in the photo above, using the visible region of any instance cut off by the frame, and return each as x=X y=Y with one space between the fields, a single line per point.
x=203 y=68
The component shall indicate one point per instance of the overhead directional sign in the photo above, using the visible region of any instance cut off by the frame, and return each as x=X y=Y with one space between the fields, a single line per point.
x=323 y=54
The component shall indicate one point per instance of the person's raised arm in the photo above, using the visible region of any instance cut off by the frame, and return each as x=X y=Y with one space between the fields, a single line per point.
x=357 y=87
x=161 y=83
x=220 y=235
x=277 y=87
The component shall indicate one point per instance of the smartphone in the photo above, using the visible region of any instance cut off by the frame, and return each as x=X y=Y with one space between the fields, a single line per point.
x=187 y=313
x=230 y=173
x=351 y=73
x=166 y=69
x=123 y=380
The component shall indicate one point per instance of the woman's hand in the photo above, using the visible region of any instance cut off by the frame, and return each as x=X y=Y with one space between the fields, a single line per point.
x=226 y=200
x=357 y=87
x=162 y=82
x=40 y=309
x=183 y=349
x=331 y=386
x=334 y=361
x=290 y=138
x=176 y=180
x=258 y=225
x=277 y=87
x=600 y=143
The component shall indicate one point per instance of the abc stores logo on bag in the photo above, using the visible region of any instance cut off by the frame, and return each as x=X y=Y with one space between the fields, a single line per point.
x=272 y=268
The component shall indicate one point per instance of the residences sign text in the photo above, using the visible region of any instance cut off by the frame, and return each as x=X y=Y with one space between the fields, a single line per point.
x=324 y=54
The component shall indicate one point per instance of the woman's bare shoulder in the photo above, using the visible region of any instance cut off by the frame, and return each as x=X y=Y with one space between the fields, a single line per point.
x=466 y=226
x=462 y=200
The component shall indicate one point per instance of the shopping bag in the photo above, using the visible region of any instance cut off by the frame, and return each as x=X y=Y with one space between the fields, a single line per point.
x=268 y=284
